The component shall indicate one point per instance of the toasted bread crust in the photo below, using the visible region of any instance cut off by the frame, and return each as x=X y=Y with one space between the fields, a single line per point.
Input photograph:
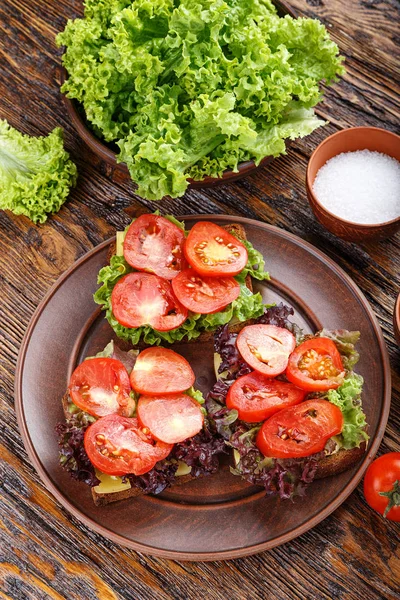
x=103 y=499
x=339 y=462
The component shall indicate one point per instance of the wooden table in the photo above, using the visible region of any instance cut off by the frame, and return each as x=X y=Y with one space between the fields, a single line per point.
x=45 y=553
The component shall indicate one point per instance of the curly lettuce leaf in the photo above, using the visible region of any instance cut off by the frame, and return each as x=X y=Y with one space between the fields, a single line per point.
x=345 y=341
x=188 y=89
x=36 y=173
x=348 y=398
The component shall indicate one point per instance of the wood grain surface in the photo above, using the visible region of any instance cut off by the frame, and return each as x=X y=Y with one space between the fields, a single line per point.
x=44 y=552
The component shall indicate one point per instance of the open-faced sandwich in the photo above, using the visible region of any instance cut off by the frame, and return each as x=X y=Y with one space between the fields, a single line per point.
x=165 y=285
x=135 y=424
x=288 y=404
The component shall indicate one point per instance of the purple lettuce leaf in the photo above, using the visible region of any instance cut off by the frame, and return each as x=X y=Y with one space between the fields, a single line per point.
x=284 y=477
x=72 y=454
x=279 y=316
x=200 y=452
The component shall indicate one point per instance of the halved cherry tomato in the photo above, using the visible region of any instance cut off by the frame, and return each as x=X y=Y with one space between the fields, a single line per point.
x=213 y=252
x=204 y=295
x=154 y=244
x=144 y=299
x=266 y=348
x=100 y=386
x=170 y=419
x=382 y=485
x=300 y=430
x=161 y=371
x=256 y=396
x=316 y=365
x=117 y=446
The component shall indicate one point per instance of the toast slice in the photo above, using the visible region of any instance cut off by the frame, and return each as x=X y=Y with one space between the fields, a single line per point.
x=339 y=462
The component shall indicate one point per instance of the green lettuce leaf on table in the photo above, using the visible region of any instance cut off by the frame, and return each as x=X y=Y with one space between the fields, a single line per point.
x=36 y=173
x=190 y=88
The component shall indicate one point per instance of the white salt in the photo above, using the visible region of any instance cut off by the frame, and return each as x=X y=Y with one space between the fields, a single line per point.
x=361 y=186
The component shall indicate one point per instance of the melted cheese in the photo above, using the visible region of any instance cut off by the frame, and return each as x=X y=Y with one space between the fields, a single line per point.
x=183 y=469
x=110 y=484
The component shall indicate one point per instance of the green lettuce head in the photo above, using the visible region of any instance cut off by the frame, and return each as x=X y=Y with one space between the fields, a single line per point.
x=191 y=88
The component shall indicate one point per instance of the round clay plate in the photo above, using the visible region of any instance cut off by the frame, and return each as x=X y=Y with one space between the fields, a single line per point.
x=220 y=516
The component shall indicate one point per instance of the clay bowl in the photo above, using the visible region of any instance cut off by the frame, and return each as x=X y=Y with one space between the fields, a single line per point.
x=396 y=319
x=107 y=152
x=350 y=140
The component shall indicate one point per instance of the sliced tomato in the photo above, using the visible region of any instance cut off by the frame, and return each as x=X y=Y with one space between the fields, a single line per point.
x=100 y=386
x=256 y=396
x=144 y=299
x=117 y=446
x=204 y=295
x=213 y=252
x=266 y=348
x=316 y=365
x=170 y=419
x=161 y=371
x=154 y=244
x=300 y=430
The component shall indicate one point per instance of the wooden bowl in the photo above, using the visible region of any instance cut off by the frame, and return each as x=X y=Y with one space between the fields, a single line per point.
x=396 y=319
x=350 y=140
x=107 y=152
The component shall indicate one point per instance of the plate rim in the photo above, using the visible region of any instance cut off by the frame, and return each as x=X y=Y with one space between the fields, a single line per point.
x=222 y=554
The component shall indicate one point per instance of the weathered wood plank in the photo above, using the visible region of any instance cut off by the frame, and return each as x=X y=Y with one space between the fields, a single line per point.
x=47 y=554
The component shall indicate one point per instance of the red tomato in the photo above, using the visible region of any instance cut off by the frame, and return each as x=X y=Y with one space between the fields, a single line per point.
x=213 y=252
x=300 y=430
x=100 y=386
x=161 y=371
x=204 y=295
x=382 y=485
x=266 y=348
x=154 y=244
x=316 y=365
x=256 y=396
x=170 y=419
x=117 y=446
x=143 y=299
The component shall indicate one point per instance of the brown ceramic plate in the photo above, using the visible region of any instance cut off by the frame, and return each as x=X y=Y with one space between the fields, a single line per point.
x=221 y=516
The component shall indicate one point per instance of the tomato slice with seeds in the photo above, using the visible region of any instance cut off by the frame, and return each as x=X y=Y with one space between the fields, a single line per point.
x=316 y=365
x=213 y=252
x=117 y=446
x=204 y=295
x=256 y=396
x=266 y=348
x=300 y=430
x=144 y=299
x=100 y=386
x=154 y=244
x=161 y=371
x=170 y=419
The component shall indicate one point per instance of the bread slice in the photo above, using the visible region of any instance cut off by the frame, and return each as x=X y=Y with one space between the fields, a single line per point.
x=339 y=462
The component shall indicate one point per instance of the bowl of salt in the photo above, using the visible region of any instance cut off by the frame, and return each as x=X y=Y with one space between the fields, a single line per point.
x=353 y=183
